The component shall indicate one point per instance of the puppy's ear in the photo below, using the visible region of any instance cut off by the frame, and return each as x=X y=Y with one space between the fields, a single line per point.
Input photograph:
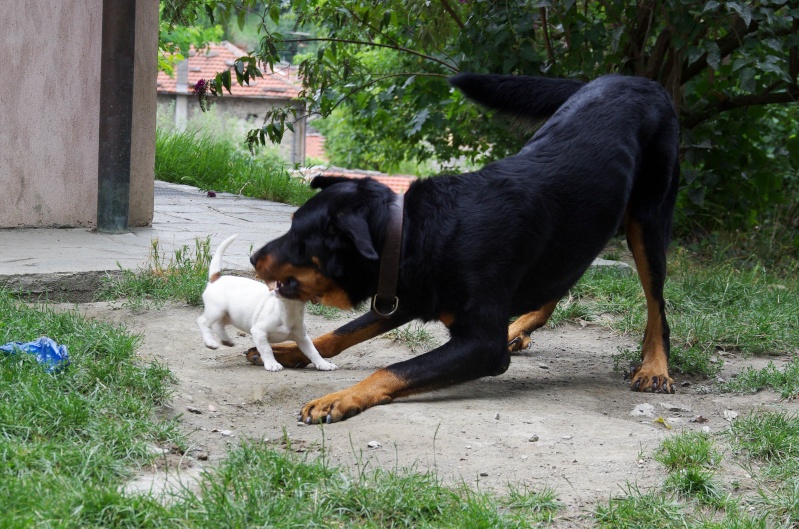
x=321 y=182
x=356 y=228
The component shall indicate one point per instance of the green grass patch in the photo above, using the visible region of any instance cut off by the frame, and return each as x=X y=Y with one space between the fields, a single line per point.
x=784 y=381
x=180 y=277
x=259 y=486
x=709 y=307
x=214 y=163
x=414 y=335
x=69 y=440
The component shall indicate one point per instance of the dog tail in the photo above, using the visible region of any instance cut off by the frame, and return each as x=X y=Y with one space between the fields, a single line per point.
x=521 y=95
x=215 y=268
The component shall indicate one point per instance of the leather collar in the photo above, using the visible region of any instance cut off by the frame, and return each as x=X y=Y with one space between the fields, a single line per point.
x=385 y=302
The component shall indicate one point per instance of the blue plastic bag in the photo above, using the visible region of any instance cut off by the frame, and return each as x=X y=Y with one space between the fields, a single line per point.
x=47 y=352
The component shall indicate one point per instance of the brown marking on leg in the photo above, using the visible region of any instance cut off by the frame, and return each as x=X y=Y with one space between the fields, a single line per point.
x=519 y=331
x=447 y=318
x=331 y=344
x=381 y=387
x=214 y=277
x=653 y=373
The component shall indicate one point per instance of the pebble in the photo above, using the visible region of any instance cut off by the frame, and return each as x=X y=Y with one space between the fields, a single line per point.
x=533 y=438
x=192 y=409
x=374 y=444
x=496 y=416
x=483 y=474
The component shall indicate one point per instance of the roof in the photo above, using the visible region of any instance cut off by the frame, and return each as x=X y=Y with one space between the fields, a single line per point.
x=398 y=183
x=216 y=58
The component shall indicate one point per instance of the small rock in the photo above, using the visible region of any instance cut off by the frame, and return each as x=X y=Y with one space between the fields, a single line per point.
x=192 y=409
x=226 y=433
x=685 y=384
x=533 y=438
x=483 y=474
x=699 y=419
x=543 y=366
x=211 y=194
x=374 y=444
x=566 y=437
x=211 y=408
x=202 y=456
x=730 y=415
x=496 y=417
x=643 y=410
x=468 y=447
x=670 y=406
x=524 y=458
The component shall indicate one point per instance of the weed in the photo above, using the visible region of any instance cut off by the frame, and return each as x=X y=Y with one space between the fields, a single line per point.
x=688 y=450
x=414 y=335
x=785 y=381
x=181 y=277
x=329 y=313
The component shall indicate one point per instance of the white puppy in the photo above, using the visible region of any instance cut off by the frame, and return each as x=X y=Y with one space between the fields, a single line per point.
x=250 y=306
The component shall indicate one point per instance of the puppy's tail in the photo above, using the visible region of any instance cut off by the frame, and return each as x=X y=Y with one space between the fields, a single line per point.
x=215 y=268
x=520 y=95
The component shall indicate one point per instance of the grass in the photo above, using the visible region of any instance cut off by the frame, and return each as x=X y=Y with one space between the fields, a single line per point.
x=181 y=277
x=213 y=163
x=69 y=440
x=727 y=305
x=414 y=335
x=785 y=381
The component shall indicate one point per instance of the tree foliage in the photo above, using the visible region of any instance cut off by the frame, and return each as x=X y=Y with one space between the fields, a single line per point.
x=731 y=67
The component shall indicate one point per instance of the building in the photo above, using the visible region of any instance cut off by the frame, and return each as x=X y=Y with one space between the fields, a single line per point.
x=248 y=103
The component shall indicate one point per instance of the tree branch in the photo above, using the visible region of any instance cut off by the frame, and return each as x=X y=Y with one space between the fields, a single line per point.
x=727 y=44
x=453 y=14
x=376 y=45
x=550 y=52
x=659 y=50
x=791 y=95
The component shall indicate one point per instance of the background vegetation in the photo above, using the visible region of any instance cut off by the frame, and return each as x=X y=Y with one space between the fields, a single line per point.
x=380 y=67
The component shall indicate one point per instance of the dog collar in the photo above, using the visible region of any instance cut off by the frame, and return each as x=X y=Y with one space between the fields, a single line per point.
x=385 y=302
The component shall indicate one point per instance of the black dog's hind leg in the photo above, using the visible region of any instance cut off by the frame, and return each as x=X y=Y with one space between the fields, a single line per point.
x=648 y=229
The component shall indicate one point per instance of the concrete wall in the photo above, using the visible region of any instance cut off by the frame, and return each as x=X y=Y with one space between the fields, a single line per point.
x=49 y=116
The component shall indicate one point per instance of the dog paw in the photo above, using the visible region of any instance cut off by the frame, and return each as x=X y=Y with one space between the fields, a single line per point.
x=273 y=366
x=339 y=406
x=212 y=345
x=289 y=355
x=326 y=366
x=520 y=342
x=642 y=379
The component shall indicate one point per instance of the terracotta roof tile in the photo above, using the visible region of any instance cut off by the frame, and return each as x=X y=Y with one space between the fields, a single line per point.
x=205 y=64
x=397 y=183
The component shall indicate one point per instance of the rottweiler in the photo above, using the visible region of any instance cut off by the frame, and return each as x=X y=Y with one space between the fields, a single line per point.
x=478 y=248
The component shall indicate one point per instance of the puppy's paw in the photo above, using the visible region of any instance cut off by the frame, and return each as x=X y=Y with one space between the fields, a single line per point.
x=324 y=365
x=272 y=366
x=211 y=345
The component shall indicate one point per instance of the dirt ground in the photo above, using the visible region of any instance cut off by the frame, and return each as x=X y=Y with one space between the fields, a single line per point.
x=559 y=417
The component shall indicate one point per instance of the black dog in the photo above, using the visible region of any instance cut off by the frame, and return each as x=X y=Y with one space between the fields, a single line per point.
x=507 y=240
